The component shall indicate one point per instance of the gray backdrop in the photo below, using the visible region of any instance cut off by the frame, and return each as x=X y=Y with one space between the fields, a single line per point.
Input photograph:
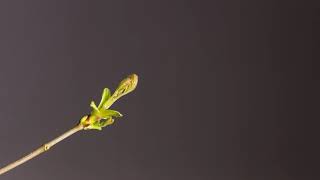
x=228 y=90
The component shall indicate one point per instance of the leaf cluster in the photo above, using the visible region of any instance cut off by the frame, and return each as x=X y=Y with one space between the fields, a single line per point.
x=101 y=116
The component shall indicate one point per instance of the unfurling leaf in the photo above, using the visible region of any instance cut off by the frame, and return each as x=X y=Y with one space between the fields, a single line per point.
x=126 y=86
x=110 y=113
x=106 y=122
x=105 y=96
x=94 y=106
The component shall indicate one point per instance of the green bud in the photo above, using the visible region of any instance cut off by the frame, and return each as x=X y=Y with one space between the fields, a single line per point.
x=101 y=115
x=126 y=86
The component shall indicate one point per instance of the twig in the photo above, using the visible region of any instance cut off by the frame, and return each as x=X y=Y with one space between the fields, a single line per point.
x=101 y=116
x=41 y=149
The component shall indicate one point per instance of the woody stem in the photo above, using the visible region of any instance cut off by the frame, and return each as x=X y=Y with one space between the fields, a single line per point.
x=41 y=149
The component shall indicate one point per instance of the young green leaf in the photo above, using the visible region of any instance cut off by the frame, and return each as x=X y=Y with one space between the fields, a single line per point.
x=95 y=125
x=105 y=96
x=94 y=106
x=126 y=86
x=104 y=114
x=106 y=122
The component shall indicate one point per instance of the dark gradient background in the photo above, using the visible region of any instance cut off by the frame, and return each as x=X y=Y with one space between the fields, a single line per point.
x=229 y=90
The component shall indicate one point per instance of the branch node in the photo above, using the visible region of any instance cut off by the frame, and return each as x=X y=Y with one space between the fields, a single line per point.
x=46 y=147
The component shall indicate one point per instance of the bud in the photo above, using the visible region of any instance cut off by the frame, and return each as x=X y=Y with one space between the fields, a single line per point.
x=101 y=115
x=126 y=86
